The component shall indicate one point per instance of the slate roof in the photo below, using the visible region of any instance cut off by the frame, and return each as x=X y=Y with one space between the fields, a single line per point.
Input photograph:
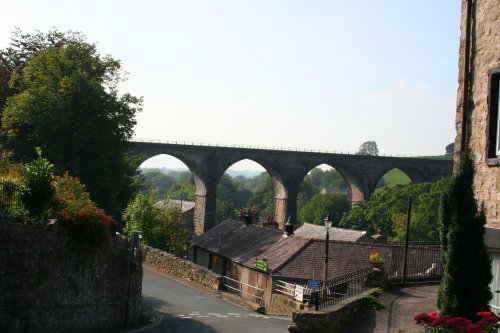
x=183 y=204
x=279 y=253
x=319 y=232
x=239 y=242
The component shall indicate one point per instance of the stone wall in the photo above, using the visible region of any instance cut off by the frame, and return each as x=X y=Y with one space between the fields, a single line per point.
x=283 y=305
x=182 y=268
x=49 y=285
x=332 y=320
x=485 y=55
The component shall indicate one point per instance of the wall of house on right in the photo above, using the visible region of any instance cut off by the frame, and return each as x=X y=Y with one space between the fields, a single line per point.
x=482 y=117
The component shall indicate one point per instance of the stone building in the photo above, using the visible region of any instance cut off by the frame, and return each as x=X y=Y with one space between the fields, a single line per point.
x=477 y=118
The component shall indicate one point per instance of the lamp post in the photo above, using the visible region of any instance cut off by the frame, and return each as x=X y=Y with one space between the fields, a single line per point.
x=328 y=224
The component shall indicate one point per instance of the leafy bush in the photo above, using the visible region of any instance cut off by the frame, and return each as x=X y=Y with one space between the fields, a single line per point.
x=91 y=229
x=38 y=189
x=84 y=222
x=161 y=224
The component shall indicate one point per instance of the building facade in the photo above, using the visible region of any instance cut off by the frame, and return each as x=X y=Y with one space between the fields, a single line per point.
x=477 y=117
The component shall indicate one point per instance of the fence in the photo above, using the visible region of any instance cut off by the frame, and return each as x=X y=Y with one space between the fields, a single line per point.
x=10 y=197
x=423 y=263
x=341 y=288
x=336 y=289
x=255 y=294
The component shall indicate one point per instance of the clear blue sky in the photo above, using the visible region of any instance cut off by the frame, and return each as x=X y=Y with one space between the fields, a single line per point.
x=323 y=75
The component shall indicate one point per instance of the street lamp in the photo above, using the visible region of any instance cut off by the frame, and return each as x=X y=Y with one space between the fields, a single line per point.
x=328 y=223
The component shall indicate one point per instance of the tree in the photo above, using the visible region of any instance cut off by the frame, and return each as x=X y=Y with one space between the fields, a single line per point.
x=321 y=204
x=450 y=149
x=183 y=187
x=368 y=148
x=161 y=225
x=464 y=288
x=386 y=210
x=67 y=102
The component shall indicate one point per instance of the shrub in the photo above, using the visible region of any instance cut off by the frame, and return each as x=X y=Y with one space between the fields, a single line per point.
x=38 y=189
x=91 y=229
x=432 y=323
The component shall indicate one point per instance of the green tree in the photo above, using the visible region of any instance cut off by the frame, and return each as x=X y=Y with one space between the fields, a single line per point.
x=161 y=225
x=66 y=101
x=321 y=204
x=156 y=179
x=38 y=190
x=368 y=148
x=183 y=187
x=386 y=210
x=263 y=197
x=464 y=288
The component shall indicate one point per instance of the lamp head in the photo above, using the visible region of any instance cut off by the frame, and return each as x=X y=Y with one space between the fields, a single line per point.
x=328 y=221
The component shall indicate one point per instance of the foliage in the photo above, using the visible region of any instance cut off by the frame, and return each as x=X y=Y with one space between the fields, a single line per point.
x=38 y=190
x=375 y=256
x=231 y=196
x=392 y=178
x=88 y=229
x=373 y=302
x=263 y=197
x=71 y=196
x=161 y=225
x=368 y=148
x=464 y=288
x=386 y=210
x=432 y=323
x=321 y=204
x=183 y=187
x=450 y=149
x=9 y=170
x=157 y=179
x=65 y=99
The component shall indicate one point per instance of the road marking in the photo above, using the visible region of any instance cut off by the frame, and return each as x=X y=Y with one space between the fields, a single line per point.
x=234 y=314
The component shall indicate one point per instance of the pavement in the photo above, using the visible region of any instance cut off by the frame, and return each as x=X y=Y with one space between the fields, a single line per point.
x=401 y=305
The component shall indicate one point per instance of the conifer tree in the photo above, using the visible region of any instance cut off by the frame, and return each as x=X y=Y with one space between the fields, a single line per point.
x=464 y=288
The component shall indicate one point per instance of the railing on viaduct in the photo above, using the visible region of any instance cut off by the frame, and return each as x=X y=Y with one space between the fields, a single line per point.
x=287 y=169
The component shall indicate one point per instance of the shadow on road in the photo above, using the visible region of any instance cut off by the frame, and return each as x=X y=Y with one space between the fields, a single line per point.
x=153 y=302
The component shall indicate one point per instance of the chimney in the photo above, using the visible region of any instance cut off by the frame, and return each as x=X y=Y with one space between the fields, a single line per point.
x=288 y=228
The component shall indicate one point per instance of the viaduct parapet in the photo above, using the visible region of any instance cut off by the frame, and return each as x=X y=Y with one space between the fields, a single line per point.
x=287 y=169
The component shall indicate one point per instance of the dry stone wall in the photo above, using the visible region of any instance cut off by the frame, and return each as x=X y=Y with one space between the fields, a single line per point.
x=48 y=285
x=182 y=268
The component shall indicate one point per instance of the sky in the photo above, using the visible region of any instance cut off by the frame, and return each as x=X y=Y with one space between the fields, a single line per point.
x=318 y=75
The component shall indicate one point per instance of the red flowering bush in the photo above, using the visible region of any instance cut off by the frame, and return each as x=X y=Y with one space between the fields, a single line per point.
x=84 y=222
x=432 y=323
x=84 y=228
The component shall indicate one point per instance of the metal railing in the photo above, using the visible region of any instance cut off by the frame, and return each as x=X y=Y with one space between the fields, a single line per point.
x=255 y=294
x=10 y=197
x=342 y=287
x=286 y=288
x=303 y=150
x=424 y=263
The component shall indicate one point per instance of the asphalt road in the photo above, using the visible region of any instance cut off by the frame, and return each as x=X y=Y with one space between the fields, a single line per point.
x=182 y=308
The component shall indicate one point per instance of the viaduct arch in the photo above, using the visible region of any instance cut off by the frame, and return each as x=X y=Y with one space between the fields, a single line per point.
x=287 y=169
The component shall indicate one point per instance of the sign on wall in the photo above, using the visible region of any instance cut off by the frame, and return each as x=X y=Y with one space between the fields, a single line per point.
x=260 y=264
x=299 y=293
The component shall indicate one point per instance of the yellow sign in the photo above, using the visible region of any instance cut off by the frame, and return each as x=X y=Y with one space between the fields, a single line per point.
x=260 y=264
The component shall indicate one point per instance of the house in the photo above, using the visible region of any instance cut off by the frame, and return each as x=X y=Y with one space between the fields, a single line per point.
x=477 y=115
x=253 y=259
x=315 y=231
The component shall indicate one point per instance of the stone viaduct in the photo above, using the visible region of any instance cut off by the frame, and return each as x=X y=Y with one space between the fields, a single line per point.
x=287 y=169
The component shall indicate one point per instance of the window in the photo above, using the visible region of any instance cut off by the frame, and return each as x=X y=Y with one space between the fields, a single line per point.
x=495 y=282
x=494 y=119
